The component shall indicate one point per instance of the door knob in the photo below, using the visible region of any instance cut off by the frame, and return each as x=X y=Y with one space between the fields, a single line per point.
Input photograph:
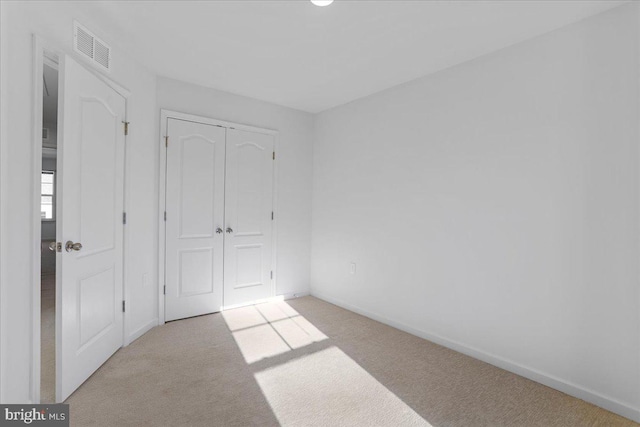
x=70 y=246
x=229 y=230
x=218 y=230
x=52 y=246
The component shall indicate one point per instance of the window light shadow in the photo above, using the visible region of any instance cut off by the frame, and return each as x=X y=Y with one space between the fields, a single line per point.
x=306 y=380
x=242 y=318
x=328 y=388
x=269 y=329
x=298 y=332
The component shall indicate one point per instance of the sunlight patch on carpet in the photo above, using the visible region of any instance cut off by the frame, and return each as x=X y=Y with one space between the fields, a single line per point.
x=267 y=330
x=328 y=388
x=242 y=318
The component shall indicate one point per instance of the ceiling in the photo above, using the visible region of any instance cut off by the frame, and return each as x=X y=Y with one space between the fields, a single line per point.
x=311 y=58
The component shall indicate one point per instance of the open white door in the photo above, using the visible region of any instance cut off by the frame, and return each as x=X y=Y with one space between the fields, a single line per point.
x=249 y=218
x=194 y=218
x=89 y=318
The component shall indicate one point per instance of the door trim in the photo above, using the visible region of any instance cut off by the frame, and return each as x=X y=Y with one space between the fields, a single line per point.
x=170 y=114
x=40 y=46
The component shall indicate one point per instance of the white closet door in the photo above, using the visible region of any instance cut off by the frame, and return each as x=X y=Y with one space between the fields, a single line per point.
x=195 y=214
x=248 y=217
x=89 y=318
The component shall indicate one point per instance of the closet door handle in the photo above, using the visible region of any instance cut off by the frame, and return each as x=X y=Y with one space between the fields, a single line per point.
x=218 y=230
x=229 y=230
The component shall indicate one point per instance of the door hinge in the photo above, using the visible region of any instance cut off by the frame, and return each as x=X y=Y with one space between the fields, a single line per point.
x=165 y=215
x=164 y=290
x=126 y=128
x=166 y=141
x=271 y=274
x=271 y=215
x=274 y=155
x=124 y=217
x=123 y=306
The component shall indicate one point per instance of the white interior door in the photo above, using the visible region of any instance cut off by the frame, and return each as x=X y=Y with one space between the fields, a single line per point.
x=89 y=315
x=195 y=218
x=248 y=217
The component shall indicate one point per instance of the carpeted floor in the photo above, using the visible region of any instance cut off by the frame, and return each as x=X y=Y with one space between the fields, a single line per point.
x=306 y=362
x=48 y=338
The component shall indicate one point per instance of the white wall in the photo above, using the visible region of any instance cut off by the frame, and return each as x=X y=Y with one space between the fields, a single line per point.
x=493 y=207
x=54 y=22
x=294 y=161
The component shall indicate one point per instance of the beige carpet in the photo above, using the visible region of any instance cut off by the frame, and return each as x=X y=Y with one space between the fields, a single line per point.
x=48 y=338
x=306 y=362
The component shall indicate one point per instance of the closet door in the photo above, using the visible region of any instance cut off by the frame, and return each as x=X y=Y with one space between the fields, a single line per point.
x=248 y=217
x=195 y=217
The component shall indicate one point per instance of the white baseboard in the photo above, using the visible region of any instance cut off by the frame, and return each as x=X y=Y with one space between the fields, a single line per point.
x=567 y=387
x=141 y=331
x=294 y=295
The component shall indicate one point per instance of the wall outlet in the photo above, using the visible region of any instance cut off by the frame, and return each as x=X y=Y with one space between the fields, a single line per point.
x=352 y=268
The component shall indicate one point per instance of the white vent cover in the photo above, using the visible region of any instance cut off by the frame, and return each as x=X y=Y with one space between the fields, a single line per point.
x=91 y=47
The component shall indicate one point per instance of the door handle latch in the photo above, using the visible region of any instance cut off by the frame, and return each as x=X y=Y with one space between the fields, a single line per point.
x=218 y=230
x=229 y=230
x=70 y=246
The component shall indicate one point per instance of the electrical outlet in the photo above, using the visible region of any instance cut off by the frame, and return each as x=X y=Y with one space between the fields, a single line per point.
x=352 y=268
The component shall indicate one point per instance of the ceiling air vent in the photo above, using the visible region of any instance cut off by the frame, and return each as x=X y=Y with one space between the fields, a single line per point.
x=91 y=47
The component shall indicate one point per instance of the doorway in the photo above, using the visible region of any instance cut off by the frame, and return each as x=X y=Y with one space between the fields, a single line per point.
x=48 y=193
x=79 y=144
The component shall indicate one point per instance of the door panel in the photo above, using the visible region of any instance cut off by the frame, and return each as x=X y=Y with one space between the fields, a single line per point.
x=97 y=158
x=89 y=319
x=196 y=272
x=95 y=315
x=197 y=185
x=248 y=217
x=195 y=208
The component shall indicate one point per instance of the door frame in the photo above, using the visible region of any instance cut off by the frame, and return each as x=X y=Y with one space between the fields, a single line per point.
x=42 y=46
x=162 y=194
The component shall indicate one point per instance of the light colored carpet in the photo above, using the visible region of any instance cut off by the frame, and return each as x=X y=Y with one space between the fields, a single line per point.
x=307 y=362
x=48 y=338
x=325 y=388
